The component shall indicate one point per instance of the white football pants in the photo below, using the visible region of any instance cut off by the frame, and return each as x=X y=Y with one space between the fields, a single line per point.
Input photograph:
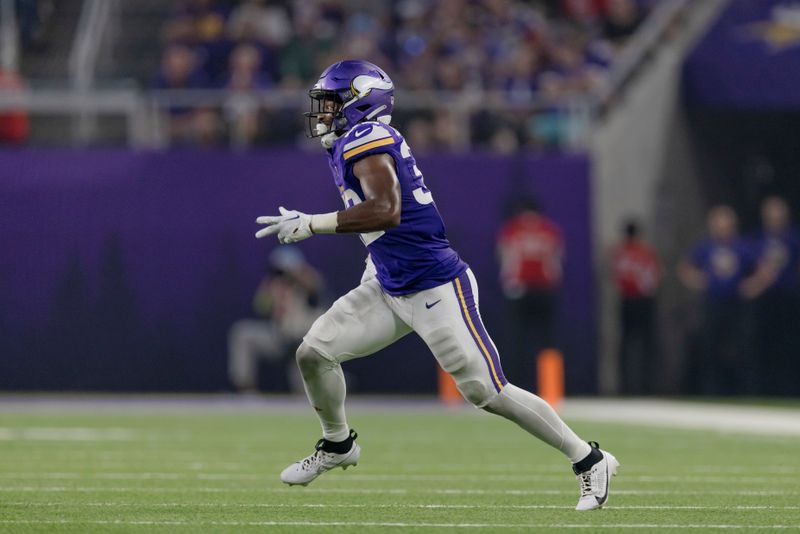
x=448 y=320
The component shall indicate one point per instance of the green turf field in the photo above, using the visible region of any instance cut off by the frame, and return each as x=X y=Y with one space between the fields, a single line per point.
x=136 y=470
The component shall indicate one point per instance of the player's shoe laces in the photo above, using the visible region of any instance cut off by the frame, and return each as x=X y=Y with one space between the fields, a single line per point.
x=327 y=456
x=595 y=480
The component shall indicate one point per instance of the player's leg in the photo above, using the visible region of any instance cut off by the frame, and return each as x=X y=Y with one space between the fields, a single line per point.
x=248 y=340
x=458 y=340
x=455 y=334
x=358 y=324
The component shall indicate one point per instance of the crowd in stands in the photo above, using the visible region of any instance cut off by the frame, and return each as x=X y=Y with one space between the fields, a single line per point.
x=537 y=52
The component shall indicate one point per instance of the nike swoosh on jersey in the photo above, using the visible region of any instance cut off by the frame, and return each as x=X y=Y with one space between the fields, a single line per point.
x=375 y=133
x=429 y=306
x=359 y=133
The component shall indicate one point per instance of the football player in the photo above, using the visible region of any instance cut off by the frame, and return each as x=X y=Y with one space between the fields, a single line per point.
x=413 y=280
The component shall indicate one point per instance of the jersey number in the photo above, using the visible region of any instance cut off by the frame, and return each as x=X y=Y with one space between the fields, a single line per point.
x=350 y=199
x=421 y=193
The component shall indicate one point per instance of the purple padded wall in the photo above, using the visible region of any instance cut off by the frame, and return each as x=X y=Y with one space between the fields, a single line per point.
x=123 y=270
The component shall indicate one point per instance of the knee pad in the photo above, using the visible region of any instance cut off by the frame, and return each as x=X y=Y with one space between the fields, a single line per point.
x=308 y=359
x=478 y=392
x=465 y=366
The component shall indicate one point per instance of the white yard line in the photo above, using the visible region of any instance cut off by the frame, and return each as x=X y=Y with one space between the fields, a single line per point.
x=133 y=476
x=372 y=491
x=427 y=506
x=734 y=418
x=392 y=524
x=65 y=434
x=404 y=469
x=339 y=477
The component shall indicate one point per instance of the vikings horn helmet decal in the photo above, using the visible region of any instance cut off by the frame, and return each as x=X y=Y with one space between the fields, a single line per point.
x=362 y=85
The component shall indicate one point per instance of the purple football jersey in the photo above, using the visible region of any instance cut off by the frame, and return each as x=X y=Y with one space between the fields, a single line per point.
x=782 y=251
x=416 y=254
x=725 y=265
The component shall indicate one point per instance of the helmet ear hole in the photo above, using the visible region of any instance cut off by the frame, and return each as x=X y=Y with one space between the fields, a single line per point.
x=363 y=107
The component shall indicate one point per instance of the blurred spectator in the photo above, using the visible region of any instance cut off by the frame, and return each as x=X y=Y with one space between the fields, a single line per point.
x=287 y=302
x=445 y=130
x=637 y=273
x=531 y=251
x=622 y=19
x=419 y=135
x=243 y=109
x=187 y=124
x=584 y=12
x=505 y=141
x=201 y=25
x=717 y=267
x=197 y=21
x=775 y=287
x=179 y=69
x=300 y=58
x=549 y=126
x=568 y=63
x=449 y=74
x=258 y=20
x=14 y=124
x=30 y=16
x=245 y=72
x=522 y=79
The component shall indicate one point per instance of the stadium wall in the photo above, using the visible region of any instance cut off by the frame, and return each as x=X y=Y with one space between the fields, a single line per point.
x=123 y=270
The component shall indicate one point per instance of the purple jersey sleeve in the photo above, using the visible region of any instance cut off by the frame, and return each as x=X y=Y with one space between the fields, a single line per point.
x=368 y=139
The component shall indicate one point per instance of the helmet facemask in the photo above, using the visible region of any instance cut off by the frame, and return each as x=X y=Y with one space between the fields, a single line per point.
x=326 y=119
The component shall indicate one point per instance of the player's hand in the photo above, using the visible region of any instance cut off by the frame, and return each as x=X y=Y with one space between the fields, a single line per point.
x=290 y=226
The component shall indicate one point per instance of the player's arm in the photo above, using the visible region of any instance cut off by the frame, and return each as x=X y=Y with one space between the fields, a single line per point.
x=691 y=276
x=381 y=207
x=764 y=275
x=379 y=211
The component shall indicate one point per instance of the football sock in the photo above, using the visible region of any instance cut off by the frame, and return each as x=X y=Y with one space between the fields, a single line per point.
x=592 y=458
x=325 y=388
x=537 y=417
x=339 y=447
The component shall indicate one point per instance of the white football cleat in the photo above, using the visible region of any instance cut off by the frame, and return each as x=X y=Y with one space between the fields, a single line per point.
x=309 y=468
x=595 y=482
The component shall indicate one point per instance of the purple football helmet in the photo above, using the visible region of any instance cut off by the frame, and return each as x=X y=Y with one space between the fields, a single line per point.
x=362 y=91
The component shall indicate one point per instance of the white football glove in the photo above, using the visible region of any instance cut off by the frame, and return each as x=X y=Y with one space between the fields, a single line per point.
x=291 y=226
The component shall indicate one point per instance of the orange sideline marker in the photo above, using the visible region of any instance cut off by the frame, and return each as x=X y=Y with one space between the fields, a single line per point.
x=550 y=374
x=448 y=392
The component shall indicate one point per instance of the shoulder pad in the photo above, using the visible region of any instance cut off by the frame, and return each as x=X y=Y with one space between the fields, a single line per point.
x=367 y=136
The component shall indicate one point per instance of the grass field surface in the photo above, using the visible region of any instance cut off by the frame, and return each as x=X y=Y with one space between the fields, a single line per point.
x=172 y=469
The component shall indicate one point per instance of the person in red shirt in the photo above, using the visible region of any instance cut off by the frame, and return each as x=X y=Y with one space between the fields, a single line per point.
x=14 y=124
x=637 y=273
x=531 y=251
